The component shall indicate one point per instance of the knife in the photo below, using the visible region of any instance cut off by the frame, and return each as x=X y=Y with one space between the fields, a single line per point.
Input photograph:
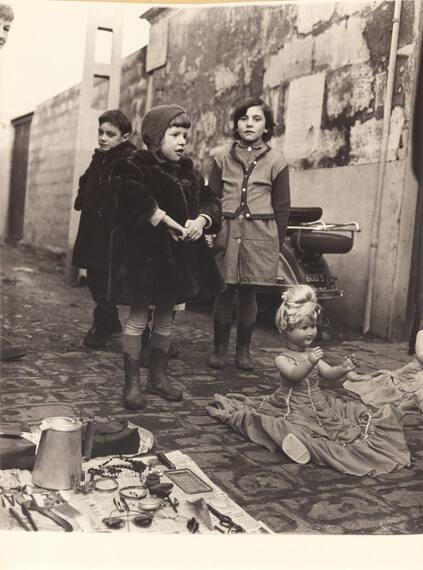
x=165 y=461
x=28 y=515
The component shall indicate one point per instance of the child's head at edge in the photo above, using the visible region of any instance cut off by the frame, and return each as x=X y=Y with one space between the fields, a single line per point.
x=248 y=108
x=114 y=128
x=298 y=304
x=6 y=18
x=165 y=131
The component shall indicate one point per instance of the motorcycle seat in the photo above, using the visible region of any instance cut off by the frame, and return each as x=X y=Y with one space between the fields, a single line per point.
x=299 y=216
x=307 y=241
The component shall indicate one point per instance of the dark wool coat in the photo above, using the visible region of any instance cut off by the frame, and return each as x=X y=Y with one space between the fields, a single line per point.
x=146 y=263
x=96 y=202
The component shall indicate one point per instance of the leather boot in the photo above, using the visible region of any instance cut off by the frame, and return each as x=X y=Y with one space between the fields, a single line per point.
x=222 y=332
x=145 y=347
x=243 y=341
x=158 y=382
x=131 y=363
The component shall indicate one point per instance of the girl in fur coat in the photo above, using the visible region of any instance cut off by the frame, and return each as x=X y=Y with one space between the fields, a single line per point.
x=159 y=255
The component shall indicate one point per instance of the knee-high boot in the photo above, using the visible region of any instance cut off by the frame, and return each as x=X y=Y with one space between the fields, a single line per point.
x=158 y=382
x=222 y=333
x=132 y=393
x=145 y=347
x=243 y=342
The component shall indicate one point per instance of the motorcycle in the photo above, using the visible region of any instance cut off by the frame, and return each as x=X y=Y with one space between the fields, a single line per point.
x=308 y=239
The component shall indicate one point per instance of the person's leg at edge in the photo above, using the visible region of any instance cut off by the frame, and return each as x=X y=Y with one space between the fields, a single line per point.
x=222 y=313
x=131 y=345
x=158 y=381
x=106 y=322
x=247 y=315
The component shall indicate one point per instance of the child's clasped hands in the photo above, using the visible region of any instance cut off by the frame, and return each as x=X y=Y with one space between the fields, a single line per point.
x=192 y=231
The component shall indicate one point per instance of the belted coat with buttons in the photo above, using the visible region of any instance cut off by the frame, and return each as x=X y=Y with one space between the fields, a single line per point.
x=253 y=184
x=146 y=263
x=95 y=201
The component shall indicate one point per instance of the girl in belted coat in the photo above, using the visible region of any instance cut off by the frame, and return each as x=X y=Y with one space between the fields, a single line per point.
x=159 y=254
x=253 y=183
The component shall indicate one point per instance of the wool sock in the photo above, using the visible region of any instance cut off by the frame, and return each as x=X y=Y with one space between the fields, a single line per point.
x=131 y=344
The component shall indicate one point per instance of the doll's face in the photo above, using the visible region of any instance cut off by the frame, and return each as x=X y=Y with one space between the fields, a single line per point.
x=174 y=142
x=303 y=335
x=110 y=136
x=252 y=126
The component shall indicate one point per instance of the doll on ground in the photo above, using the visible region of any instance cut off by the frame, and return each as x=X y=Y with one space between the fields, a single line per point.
x=402 y=388
x=306 y=422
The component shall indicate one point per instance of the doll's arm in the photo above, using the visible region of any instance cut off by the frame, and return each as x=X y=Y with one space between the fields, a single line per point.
x=419 y=346
x=297 y=372
x=336 y=372
x=281 y=202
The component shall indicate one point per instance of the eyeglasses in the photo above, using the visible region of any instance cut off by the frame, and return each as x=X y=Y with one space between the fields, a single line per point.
x=116 y=522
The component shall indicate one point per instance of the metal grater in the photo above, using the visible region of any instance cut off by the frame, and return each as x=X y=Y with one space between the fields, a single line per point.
x=188 y=481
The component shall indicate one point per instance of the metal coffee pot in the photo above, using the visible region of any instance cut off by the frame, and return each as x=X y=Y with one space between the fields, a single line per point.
x=58 y=459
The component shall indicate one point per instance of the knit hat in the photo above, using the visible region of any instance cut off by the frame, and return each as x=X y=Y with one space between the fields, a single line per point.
x=155 y=123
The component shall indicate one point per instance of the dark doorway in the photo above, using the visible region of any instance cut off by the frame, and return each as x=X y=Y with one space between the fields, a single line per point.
x=415 y=309
x=22 y=126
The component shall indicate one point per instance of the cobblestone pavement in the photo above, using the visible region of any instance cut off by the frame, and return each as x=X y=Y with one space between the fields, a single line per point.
x=51 y=317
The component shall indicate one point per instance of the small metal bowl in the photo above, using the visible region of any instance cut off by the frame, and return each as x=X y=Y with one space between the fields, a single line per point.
x=150 y=504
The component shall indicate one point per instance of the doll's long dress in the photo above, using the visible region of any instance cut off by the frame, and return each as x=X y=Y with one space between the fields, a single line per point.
x=391 y=387
x=345 y=435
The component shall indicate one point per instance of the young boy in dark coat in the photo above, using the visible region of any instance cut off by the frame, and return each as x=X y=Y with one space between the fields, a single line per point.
x=96 y=202
x=159 y=254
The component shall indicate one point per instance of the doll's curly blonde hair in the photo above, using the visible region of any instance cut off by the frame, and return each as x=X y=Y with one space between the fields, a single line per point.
x=298 y=303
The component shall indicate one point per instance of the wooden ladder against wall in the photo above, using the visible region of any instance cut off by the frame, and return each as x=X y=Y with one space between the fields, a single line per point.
x=104 y=29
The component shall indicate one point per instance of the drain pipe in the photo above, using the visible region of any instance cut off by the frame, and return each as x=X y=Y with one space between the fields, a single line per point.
x=374 y=243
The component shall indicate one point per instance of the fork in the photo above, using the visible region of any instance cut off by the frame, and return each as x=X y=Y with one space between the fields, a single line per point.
x=60 y=504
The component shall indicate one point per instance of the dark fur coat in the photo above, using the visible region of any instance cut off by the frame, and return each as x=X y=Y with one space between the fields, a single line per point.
x=96 y=202
x=146 y=263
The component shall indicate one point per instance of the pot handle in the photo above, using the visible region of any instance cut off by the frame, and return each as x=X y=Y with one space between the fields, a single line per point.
x=89 y=440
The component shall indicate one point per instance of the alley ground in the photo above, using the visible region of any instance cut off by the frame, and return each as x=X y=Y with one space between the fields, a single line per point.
x=40 y=310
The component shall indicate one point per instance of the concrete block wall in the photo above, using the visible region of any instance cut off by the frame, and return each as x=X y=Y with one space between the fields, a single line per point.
x=50 y=171
x=52 y=157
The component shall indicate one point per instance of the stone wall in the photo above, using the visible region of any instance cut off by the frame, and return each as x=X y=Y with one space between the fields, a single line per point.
x=219 y=55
